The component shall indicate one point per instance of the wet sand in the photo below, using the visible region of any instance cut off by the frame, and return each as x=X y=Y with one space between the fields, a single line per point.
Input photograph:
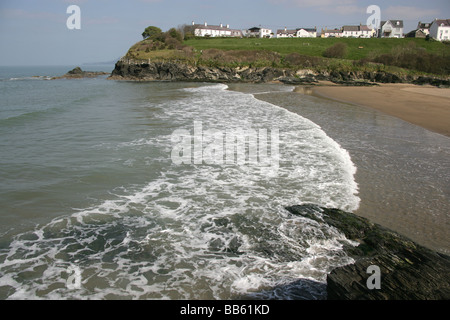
x=402 y=169
x=425 y=106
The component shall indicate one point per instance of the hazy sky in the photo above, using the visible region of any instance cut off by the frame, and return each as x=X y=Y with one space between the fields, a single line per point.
x=34 y=32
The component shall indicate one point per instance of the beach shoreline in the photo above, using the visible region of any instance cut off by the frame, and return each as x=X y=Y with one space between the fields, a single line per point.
x=401 y=167
x=424 y=106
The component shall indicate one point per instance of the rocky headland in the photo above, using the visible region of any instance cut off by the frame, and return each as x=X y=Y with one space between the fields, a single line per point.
x=146 y=70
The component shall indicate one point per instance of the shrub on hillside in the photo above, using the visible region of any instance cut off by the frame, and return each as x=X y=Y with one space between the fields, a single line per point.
x=175 y=34
x=416 y=58
x=338 y=50
x=298 y=60
x=256 y=58
x=172 y=43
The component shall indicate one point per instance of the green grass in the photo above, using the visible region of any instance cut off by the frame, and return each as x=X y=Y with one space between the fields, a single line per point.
x=357 y=48
x=400 y=56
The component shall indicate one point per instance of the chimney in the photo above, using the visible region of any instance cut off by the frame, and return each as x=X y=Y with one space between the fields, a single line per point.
x=285 y=29
x=193 y=23
x=206 y=24
x=221 y=25
x=228 y=26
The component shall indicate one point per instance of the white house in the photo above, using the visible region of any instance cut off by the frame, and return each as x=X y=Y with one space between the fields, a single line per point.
x=306 y=33
x=285 y=33
x=366 y=32
x=350 y=31
x=336 y=33
x=204 y=30
x=391 y=29
x=357 y=32
x=260 y=32
x=440 y=29
x=297 y=33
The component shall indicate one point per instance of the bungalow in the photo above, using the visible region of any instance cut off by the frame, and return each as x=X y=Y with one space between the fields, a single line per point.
x=285 y=33
x=440 y=29
x=336 y=33
x=297 y=33
x=203 y=30
x=307 y=33
x=367 y=32
x=350 y=31
x=260 y=32
x=391 y=29
x=357 y=32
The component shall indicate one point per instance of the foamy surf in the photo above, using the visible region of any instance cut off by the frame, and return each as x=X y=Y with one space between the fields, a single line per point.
x=197 y=231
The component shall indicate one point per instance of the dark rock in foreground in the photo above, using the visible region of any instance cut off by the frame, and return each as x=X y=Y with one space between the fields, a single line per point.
x=77 y=73
x=408 y=270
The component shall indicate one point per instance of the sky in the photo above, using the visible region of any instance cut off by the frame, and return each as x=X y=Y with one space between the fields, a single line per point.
x=35 y=32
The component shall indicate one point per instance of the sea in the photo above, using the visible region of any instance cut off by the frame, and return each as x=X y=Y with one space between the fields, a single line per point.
x=134 y=190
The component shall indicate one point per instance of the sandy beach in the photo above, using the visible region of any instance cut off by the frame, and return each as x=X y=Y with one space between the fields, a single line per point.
x=425 y=106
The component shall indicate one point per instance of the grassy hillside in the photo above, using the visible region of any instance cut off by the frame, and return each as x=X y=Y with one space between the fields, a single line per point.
x=392 y=55
x=357 y=48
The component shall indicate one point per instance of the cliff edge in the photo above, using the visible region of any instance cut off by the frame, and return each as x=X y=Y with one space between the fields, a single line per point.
x=147 y=70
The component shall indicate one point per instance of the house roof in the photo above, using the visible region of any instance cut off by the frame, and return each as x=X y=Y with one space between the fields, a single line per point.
x=416 y=33
x=423 y=25
x=333 y=31
x=350 y=28
x=445 y=22
x=284 y=31
x=211 y=27
x=365 y=28
x=308 y=29
x=394 y=23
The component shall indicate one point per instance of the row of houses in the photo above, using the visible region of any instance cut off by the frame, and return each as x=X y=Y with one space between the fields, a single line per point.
x=349 y=32
x=439 y=29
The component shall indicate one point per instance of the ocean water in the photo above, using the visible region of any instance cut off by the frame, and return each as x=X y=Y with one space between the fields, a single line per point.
x=403 y=170
x=93 y=205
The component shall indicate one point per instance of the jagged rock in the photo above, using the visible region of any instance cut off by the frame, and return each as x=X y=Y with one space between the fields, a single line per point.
x=77 y=70
x=77 y=73
x=299 y=81
x=352 y=83
x=174 y=71
x=408 y=270
x=432 y=81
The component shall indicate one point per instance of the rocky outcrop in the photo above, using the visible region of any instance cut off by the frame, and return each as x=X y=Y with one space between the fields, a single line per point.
x=408 y=271
x=77 y=73
x=142 y=70
x=170 y=71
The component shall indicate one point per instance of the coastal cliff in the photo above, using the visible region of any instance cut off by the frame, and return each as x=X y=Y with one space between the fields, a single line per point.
x=147 y=70
x=408 y=271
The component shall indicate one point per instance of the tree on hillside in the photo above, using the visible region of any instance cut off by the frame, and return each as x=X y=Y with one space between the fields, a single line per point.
x=151 y=32
x=174 y=33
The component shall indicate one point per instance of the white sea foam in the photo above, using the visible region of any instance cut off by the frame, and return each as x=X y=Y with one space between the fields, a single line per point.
x=198 y=231
x=31 y=78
